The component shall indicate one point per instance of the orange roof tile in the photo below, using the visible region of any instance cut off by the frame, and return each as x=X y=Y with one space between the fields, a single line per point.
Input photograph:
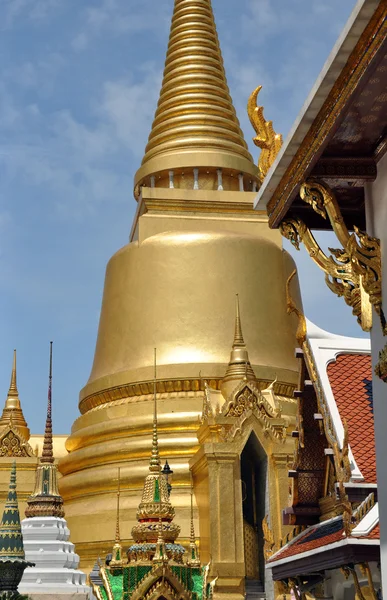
x=350 y=376
x=312 y=538
x=374 y=534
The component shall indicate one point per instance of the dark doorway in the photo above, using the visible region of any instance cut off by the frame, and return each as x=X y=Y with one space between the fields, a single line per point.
x=254 y=478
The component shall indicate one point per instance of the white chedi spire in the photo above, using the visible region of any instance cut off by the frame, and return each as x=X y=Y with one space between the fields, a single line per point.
x=45 y=532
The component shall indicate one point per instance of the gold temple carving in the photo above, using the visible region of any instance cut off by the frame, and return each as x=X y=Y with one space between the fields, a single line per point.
x=266 y=138
x=353 y=271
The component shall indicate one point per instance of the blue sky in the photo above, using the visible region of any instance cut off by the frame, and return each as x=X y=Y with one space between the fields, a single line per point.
x=79 y=82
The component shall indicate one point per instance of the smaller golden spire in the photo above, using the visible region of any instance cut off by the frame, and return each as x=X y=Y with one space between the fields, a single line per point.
x=118 y=537
x=46 y=500
x=194 y=559
x=12 y=413
x=239 y=342
x=155 y=464
x=239 y=367
x=117 y=560
x=12 y=392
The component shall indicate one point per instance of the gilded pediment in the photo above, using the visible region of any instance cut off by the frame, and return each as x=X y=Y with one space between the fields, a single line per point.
x=247 y=396
x=13 y=444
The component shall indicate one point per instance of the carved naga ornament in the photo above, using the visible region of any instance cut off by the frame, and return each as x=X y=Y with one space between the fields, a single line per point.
x=267 y=139
x=353 y=271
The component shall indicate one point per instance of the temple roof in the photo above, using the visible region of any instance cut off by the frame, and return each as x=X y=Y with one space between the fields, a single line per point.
x=324 y=540
x=339 y=135
x=350 y=376
x=343 y=365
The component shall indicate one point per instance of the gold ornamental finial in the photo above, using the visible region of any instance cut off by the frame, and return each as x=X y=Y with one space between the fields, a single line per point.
x=193 y=560
x=46 y=500
x=195 y=124
x=13 y=392
x=239 y=367
x=239 y=342
x=267 y=139
x=117 y=560
x=118 y=538
x=12 y=413
x=155 y=464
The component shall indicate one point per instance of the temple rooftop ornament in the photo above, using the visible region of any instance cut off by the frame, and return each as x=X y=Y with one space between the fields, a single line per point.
x=46 y=500
x=267 y=139
x=155 y=531
x=155 y=567
x=195 y=125
x=12 y=412
x=239 y=367
x=194 y=558
x=45 y=531
x=12 y=557
x=117 y=560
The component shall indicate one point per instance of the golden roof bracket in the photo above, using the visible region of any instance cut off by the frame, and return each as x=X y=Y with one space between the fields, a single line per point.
x=353 y=271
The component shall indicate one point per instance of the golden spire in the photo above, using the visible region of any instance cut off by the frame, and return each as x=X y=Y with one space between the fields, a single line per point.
x=239 y=367
x=193 y=560
x=12 y=392
x=155 y=464
x=12 y=413
x=46 y=500
x=118 y=537
x=155 y=513
x=239 y=342
x=195 y=124
x=117 y=560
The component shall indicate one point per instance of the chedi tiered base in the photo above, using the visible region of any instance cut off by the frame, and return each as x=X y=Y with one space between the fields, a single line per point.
x=46 y=543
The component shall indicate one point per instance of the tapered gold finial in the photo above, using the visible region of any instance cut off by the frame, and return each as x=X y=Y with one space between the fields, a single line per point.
x=195 y=124
x=155 y=464
x=239 y=367
x=239 y=342
x=13 y=392
x=193 y=559
x=12 y=413
x=46 y=500
x=117 y=560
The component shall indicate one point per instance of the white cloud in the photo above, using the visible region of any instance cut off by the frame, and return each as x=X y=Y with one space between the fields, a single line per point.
x=13 y=10
x=114 y=17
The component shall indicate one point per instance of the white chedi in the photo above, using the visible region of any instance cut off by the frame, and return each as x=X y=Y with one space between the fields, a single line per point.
x=47 y=545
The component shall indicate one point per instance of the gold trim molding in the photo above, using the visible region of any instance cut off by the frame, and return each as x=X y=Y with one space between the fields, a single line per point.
x=353 y=271
x=172 y=386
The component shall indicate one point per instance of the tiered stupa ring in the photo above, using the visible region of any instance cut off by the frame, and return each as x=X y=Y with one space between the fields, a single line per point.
x=195 y=125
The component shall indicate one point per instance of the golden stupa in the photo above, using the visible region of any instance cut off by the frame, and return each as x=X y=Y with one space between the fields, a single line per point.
x=196 y=242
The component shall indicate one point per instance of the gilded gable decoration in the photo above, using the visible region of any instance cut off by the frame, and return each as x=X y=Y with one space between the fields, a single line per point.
x=13 y=444
x=248 y=397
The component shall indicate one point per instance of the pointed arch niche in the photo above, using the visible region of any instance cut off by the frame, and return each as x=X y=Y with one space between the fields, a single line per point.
x=240 y=475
